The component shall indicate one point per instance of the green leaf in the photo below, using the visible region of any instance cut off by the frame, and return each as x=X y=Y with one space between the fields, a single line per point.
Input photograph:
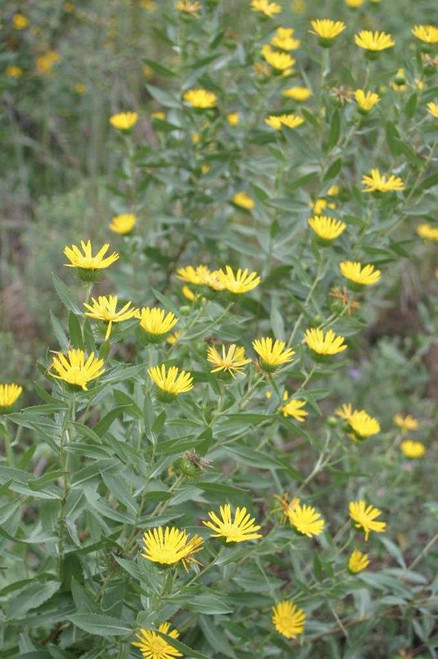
x=182 y=647
x=65 y=295
x=334 y=130
x=165 y=99
x=333 y=170
x=100 y=625
x=31 y=598
x=216 y=637
x=75 y=332
x=59 y=333
x=158 y=68
x=429 y=182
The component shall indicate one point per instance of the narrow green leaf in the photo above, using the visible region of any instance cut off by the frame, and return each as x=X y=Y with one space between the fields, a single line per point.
x=65 y=295
x=100 y=625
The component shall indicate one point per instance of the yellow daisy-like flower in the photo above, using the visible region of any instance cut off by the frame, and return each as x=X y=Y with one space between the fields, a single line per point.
x=326 y=228
x=152 y=646
x=104 y=309
x=305 y=519
x=294 y=408
x=123 y=224
x=272 y=354
x=426 y=33
x=191 y=7
x=243 y=200
x=124 y=120
x=233 y=118
x=201 y=276
x=327 y=30
x=413 y=449
x=406 y=423
x=86 y=260
x=240 y=529
x=19 y=21
x=232 y=359
x=320 y=205
x=364 y=517
x=289 y=120
x=9 y=394
x=46 y=62
x=373 y=41
x=364 y=275
x=284 y=39
x=75 y=369
x=427 y=231
x=158 y=115
x=13 y=71
x=432 y=108
x=363 y=425
x=200 y=98
x=240 y=282
x=298 y=93
x=169 y=546
x=155 y=322
x=328 y=344
x=354 y=4
x=278 y=60
x=265 y=7
x=366 y=100
x=376 y=182
x=288 y=619
x=171 y=381
x=358 y=562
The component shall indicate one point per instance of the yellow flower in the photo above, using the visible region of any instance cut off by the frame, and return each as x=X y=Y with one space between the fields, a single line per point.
x=75 y=370
x=272 y=354
x=9 y=394
x=152 y=646
x=13 y=71
x=240 y=529
x=326 y=228
x=432 y=108
x=243 y=200
x=376 y=182
x=231 y=360
x=426 y=33
x=104 y=309
x=124 y=120
x=200 y=276
x=373 y=41
x=123 y=224
x=354 y=3
x=80 y=88
x=284 y=39
x=158 y=115
x=200 y=98
x=241 y=282
x=170 y=546
x=305 y=520
x=358 y=562
x=265 y=7
x=288 y=619
x=330 y=344
x=278 y=60
x=298 y=93
x=173 y=338
x=294 y=408
x=171 y=381
x=363 y=425
x=46 y=62
x=364 y=517
x=427 y=231
x=363 y=275
x=155 y=322
x=406 y=423
x=333 y=190
x=189 y=294
x=413 y=449
x=326 y=30
x=86 y=261
x=366 y=100
x=191 y=7
x=233 y=118
x=19 y=22
x=289 y=120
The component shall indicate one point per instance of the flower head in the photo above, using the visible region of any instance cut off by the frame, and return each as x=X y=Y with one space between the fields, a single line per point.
x=19 y=21
x=240 y=529
x=153 y=646
x=104 y=308
x=413 y=449
x=376 y=182
x=156 y=323
x=326 y=30
x=124 y=120
x=231 y=360
x=294 y=408
x=364 y=517
x=406 y=423
x=243 y=200
x=272 y=353
x=366 y=100
x=46 y=62
x=427 y=231
x=123 y=224
x=373 y=41
x=289 y=120
x=265 y=7
x=201 y=276
x=191 y=7
x=171 y=381
x=358 y=562
x=9 y=394
x=364 y=275
x=305 y=519
x=240 y=282
x=359 y=421
x=200 y=98
x=354 y=3
x=13 y=71
x=169 y=546
x=278 y=60
x=75 y=369
x=284 y=39
x=326 y=228
x=426 y=33
x=233 y=118
x=298 y=93
x=328 y=344
x=85 y=261
x=432 y=108
x=288 y=619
